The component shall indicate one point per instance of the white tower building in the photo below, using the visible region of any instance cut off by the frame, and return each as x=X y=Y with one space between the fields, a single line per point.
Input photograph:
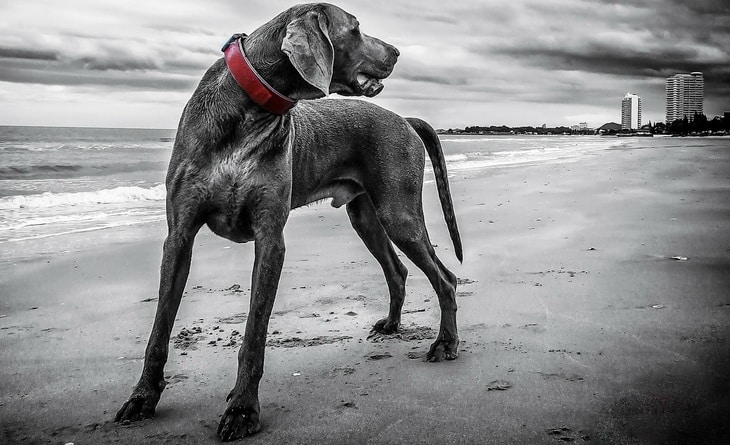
x=631 y=112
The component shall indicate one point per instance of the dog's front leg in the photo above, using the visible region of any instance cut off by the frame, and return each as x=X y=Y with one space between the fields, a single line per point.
x=176 y=257
x=241 y=418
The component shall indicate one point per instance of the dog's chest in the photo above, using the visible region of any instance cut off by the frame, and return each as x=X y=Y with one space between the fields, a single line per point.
x=240 y=188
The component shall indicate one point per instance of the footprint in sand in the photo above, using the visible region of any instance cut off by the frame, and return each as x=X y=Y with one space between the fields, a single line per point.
x=562 y=376
x=175 y=378
x=296 y=342
x=233 y=319
x=380 y=356
x=565 y=434
x=410 y=333
x=533 y=327
x=499 y=385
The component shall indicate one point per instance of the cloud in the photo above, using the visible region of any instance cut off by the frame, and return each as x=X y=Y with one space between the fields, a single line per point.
x=139 y=63
x=27 y=54
x=637 y=43
x=506 y=62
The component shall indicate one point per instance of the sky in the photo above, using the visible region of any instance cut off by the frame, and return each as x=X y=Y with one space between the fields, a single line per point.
x=135 y=63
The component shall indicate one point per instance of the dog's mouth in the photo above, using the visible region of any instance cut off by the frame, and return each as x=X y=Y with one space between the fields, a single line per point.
x=368 y=85
x=363 y=81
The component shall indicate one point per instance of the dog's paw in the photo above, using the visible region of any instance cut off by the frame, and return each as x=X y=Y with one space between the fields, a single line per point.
x=237 y=423
x=442 y=350
x=141 y=404
x=386 y=326
x=138 y=407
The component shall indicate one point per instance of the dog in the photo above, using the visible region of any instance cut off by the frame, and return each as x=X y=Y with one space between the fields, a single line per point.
x=252 y=145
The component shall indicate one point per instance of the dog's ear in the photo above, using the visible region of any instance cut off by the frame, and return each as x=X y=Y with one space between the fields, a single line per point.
x=308 y=46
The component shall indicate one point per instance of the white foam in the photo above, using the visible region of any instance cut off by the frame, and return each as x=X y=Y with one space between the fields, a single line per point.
x=463 y=140
x=46 y=220
x=456 y=157
x=116 y=195
x=108 y=225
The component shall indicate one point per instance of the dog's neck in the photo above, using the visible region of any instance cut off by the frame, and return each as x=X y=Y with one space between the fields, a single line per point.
x=248 y=78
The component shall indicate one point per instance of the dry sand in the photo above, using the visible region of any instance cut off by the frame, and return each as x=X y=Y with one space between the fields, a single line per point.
x=576 y=323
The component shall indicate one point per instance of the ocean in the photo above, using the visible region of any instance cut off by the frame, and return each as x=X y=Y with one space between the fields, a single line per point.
x=57 y=183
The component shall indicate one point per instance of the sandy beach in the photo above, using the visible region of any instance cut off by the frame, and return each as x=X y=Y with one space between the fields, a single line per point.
x=594 y=307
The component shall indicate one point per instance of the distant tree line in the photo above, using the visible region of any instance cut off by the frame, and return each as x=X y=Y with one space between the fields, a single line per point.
x=503 y=129
x=699 y=124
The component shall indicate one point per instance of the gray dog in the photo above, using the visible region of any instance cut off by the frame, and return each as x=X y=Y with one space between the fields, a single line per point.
x=245 y=156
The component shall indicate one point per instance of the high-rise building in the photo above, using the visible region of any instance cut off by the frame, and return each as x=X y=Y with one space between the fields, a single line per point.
x=631 y=112
x=685 y=95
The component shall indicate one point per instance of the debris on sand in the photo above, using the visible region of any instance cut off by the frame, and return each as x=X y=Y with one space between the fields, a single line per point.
x=296 y=342
x=188 y=338
x=410 y=333
x=233 y=319
x=679 y=258
x=412 y=311
x=380 y=356
x=565 y=434
x=344 y=370
x=312 y=315
x=499 y=385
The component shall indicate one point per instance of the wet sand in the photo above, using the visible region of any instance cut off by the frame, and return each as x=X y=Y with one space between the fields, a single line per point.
x=594 y=307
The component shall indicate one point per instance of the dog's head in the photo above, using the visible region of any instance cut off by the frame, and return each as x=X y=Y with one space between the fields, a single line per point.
x=328 y=50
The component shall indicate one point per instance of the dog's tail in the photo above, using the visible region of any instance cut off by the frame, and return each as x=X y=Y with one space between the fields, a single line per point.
x=433 y=147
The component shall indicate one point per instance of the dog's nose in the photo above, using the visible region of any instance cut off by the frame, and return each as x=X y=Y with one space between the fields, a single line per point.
x=395 y=50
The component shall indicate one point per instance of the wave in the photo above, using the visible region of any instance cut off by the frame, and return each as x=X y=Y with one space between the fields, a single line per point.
x=58 y=171
x=456 y=157
x=100 y=224
x=562 y=153
x=118 y=195
x=462 y=139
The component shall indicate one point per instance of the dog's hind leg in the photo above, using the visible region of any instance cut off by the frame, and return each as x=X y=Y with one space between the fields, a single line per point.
x=176 y=257
x=365 y=222
x=405 y=225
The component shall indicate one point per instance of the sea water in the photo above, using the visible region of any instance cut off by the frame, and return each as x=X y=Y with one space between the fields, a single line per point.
x=65 y=188
x=56 y=182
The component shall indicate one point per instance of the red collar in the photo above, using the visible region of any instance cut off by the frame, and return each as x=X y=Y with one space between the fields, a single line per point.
x=252 y=83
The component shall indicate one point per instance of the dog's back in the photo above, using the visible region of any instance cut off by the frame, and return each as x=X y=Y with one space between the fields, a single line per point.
x=343 y=140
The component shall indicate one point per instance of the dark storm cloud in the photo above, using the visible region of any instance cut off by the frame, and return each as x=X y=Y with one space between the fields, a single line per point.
x=602 y=57
x=29 y=54
x=653 y=40
x=82 y=59
x=51 y=68
x=440 y=80
x=60 y=75
x=706 y=7
x=116 y=64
